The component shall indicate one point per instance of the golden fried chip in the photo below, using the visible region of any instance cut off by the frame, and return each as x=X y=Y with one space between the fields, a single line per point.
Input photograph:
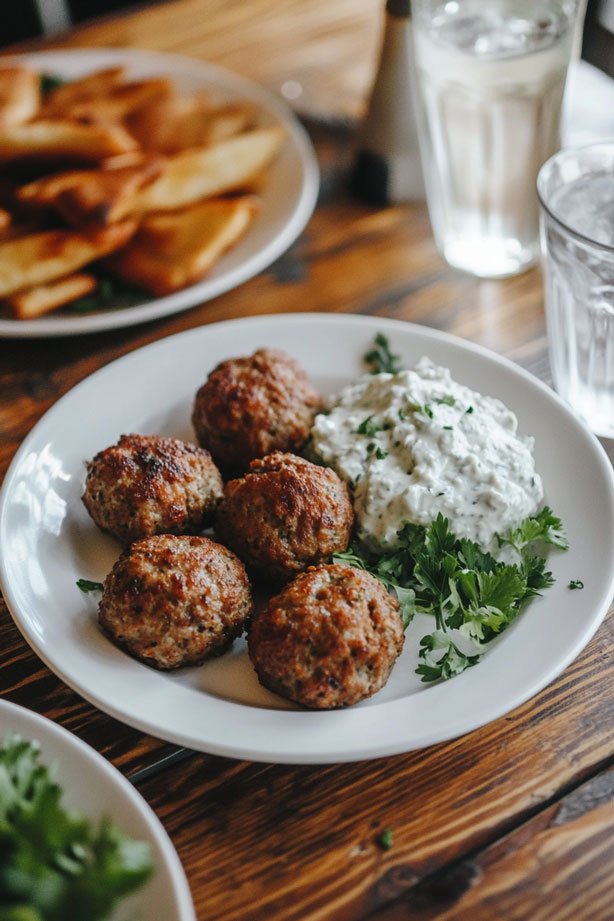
x=175 y=123
x=51 y=139
x=12 y=228
x=204 y=172
x=119 y=101
x=170 y=251
x=43 y=257
x=91 y=196
x=94 y=84
x=19 y=95
x=34 y=302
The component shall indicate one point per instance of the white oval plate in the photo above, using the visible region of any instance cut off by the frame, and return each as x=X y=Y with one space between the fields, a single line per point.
x=49 y=542
x=96 y=789
x=288 y=197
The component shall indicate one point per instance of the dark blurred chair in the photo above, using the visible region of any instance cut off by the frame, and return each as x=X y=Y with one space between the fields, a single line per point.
x=598 y=40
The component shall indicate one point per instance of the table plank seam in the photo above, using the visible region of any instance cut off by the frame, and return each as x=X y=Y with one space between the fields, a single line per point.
x=524 y=817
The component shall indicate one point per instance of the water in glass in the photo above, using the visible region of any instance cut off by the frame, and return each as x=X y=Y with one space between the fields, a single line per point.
x=579 y=278
x=491 y=78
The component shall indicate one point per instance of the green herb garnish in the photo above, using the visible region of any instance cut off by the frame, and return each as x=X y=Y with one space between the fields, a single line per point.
x=385 y=839
x=575 y=584
x=472 y=596
x=425 y=410
x=87 y=586
x=110 y=293
x=50 y=82
x=55 y=864
x=381 y=359
x=369 y=427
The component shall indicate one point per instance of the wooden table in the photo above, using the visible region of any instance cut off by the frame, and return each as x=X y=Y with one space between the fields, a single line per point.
x=513 y=821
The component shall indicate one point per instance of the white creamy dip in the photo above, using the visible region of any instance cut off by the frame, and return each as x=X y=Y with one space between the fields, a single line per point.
x=416 y=443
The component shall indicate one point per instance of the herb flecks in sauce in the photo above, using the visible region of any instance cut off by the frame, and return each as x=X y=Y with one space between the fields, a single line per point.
x=482 y=478
x=469 y=551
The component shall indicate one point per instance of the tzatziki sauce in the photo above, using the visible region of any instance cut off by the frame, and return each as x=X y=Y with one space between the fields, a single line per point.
x=417 y=443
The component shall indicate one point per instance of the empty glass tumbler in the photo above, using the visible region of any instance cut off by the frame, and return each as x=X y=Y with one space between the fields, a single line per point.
x=576 y=193
x=490 y=77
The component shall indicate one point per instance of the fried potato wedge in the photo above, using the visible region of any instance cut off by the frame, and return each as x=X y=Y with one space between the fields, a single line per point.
x=170 y=251
x=206 y=172
x=119 y=102
x=44 y=257
x=50 y=139
x=34 y=302
x=97 y=83
x=84 y=197
x=15 y=227
x=20 y=95
x=176 y=123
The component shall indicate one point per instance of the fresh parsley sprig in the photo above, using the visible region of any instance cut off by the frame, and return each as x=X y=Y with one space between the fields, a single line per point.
x=472 y=596
x=54 y=863
x=381 y=359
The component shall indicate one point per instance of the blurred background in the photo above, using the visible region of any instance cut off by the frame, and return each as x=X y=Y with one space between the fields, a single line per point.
x=29 y=19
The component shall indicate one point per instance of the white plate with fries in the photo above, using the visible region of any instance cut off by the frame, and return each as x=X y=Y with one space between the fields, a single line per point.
x=49 y=542
x=140 y=184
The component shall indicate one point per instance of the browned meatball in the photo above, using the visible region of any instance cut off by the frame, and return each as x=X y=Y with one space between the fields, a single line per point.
x=251 y=406
x=147 y=484
x=329 y=639
x=284 y=515
x=175 y=600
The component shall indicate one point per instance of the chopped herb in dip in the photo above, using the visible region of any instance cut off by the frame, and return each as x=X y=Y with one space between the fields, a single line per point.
x=427 y=454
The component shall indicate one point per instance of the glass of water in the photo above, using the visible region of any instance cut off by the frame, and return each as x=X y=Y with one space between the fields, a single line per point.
x=490 y=77
x=576 y=193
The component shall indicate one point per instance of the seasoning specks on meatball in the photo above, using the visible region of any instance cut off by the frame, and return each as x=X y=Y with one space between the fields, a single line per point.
x=284 y=515
x=172 y=601
x=148 y=484
x=251 y=406
x=329 y=639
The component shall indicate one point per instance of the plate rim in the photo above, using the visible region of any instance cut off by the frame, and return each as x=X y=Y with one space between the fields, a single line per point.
x=71 y=743
x=187 y=298
x=368 y=750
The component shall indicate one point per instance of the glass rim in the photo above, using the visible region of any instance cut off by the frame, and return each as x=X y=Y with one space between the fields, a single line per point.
x=560 y=154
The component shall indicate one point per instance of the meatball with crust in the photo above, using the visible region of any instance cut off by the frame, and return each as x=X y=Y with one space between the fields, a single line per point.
x=251 y=406
x=329 y=639
x=175 y=600
x=147 y=484
x=284 y=515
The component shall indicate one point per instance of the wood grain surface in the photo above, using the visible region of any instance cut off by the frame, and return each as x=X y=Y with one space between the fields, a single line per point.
x=513 y=821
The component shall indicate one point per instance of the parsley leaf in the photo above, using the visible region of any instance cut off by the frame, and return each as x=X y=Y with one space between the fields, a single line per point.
x=385 y=839
x=54 y=863
x=86 y=585
x=545 y=527
x=381 y=358
x=369 y=427
x=471 y=595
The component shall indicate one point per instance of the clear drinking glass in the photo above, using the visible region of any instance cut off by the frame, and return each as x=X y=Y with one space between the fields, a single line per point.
x=576 y=193
x=489 y=86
